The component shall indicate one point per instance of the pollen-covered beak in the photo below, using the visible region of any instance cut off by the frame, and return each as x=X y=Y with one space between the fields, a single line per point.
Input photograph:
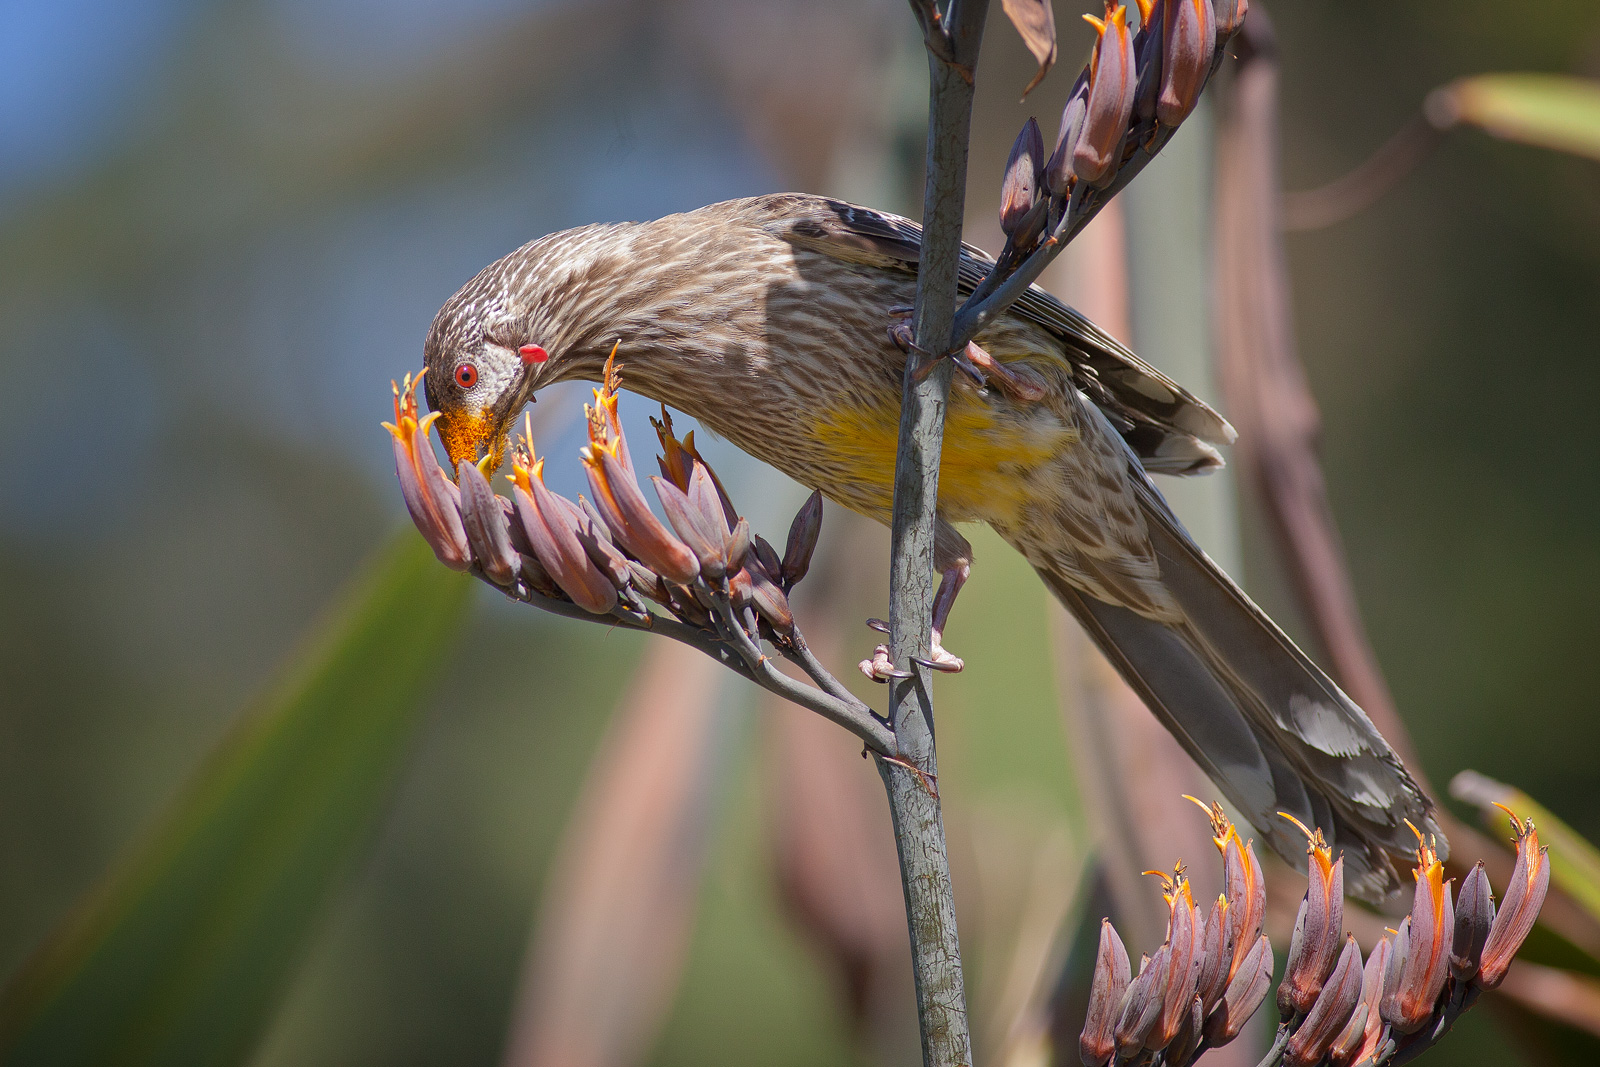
x=469 y=434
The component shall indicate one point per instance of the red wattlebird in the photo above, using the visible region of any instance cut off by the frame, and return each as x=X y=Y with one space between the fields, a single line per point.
x=768 y=320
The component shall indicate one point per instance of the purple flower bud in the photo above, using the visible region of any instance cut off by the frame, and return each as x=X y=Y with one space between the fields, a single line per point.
x=596 y=540
x=1020 y=186
x=1216 y=955
x=1530 y=881
x=1188 y=37
x=1474 y=917
x=432 y=500
x=769 y=599
x=1331 y=1012
x=766 y=557
x=1187 y=1040
x=1181 y=960
x=737 y=547
x=1147 y=53
x=1112 y=82
x=1141 y=1004
x=1361 y=1035
x=485 y=526
x=1427 y=962
x=1314 y=950
x=696 y=529
x=550 y=530
x=631 y=521
x=1098 y=1042
x=803 y=535
x=1229 y=17
x=1244 y=995
x=1058 y=172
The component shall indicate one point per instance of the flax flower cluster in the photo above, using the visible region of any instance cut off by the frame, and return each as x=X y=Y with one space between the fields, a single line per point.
x=700 y=576
x=1212 y=972
x=1140 y=83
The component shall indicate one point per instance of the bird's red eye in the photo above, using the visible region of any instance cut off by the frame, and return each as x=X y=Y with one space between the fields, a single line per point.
x=466 y=376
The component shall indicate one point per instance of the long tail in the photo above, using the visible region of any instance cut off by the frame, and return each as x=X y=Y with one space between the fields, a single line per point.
x=1270 y=729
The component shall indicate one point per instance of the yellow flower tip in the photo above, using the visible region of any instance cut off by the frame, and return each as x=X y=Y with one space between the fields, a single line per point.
x=1145 y=8
x=1118 y=17
x=1222 y=828
x=1099 y=27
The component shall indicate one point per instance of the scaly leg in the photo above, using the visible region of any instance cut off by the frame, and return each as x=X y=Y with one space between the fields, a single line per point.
x=952 y=555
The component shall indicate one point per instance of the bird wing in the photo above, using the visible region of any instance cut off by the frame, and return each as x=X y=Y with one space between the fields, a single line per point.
x=1170 y=429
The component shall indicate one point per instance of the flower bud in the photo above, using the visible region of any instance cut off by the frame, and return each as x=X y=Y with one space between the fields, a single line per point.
x=1244 y=995
x=1242 y=883
x=1141 y=1004
x=769 y=599
x=1331 y=1011
x=1360 y=1037
x=553 y=536
x=1216 y=955
x=1427 y=962
x=596 y=540
x=1020 y=186
x=1188 y=38
x=1181 y=960
x=1112 y=82
x=1058 y=172
x=737 y=545
x=1530 y=881
x=1229 y=17
x=695 y=527
x=1147 y=55
x=803 y=535
x=765 y=557
x=1187 y=1040
x=485 y=526
x=630 y=519
x=1474 y=917
x=432 y=501
x=1098 y=1042
x=1314 y=949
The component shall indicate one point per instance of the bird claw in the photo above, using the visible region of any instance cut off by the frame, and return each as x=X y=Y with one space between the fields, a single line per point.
x=1019 y=384
x=878 y=625
x=945 y=662
x=880 y=668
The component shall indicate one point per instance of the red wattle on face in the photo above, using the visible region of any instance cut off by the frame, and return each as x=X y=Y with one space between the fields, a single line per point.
x=533 y=354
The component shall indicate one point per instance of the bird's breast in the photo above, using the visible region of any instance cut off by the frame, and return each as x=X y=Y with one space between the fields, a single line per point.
x=989 y=451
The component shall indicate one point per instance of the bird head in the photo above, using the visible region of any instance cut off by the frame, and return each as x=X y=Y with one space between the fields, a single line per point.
x=481 y=367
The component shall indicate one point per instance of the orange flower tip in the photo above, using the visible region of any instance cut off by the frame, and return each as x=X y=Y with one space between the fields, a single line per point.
x=1145 y=8
x=1314 y=839
x=1099 y=27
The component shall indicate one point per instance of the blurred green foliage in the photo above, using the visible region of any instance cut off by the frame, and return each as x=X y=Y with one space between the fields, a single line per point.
x=181 y=955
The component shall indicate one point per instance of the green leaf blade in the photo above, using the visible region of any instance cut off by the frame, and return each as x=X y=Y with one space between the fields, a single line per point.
x=182 y=952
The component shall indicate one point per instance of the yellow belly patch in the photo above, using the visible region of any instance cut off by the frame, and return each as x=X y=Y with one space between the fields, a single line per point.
x=982 y=470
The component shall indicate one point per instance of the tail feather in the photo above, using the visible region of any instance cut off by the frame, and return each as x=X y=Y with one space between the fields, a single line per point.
x=1270 y=729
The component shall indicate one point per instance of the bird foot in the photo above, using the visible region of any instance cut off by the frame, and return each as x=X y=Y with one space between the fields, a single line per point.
x=1017 y=383
x=880 y=668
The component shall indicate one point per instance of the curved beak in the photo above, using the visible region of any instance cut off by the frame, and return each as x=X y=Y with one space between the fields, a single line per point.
x=467 y=433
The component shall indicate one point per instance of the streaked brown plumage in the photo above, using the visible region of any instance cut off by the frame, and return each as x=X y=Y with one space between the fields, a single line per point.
x=767 y=319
